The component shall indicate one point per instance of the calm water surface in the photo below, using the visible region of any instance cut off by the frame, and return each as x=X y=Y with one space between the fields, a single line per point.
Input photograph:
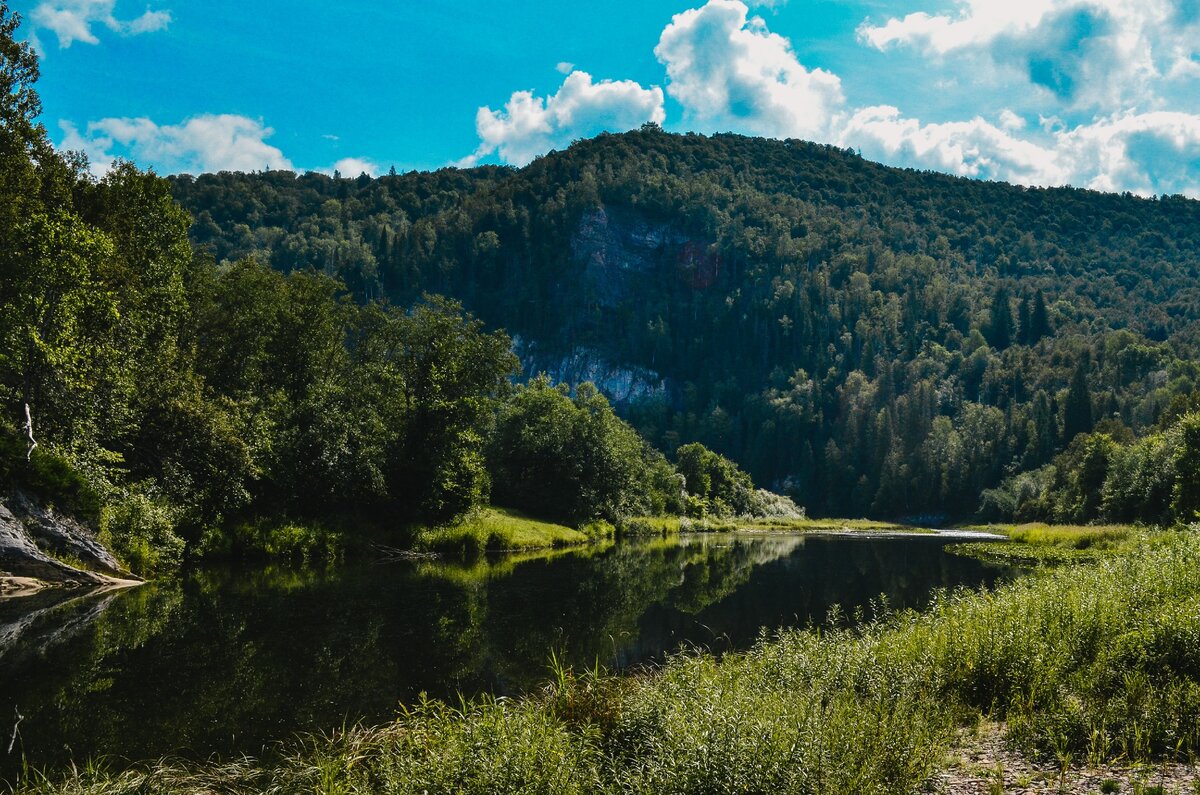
x=224 y=661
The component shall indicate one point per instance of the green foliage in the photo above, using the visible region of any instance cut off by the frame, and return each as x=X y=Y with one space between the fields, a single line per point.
x=1152 y=480
x=140 y=530
x=235 y=390
x=501 y=529
x=47 y=474
x=1056 y=544
x=272 y=539
x=722 y=489
x=866 y=339
x=1185 y=504
x=573 y=458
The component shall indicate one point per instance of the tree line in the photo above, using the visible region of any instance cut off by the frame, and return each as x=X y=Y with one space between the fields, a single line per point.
x=863 y=338
x=172 y=398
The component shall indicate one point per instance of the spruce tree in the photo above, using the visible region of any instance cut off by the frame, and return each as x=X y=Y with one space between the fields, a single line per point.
x=1077 y=411
x=1001 y=326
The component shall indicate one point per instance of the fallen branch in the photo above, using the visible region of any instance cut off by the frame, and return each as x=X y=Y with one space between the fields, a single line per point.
x=392 y=553
x=16 y=727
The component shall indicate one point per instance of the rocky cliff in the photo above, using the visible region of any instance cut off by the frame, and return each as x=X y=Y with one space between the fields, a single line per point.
x=34 y=538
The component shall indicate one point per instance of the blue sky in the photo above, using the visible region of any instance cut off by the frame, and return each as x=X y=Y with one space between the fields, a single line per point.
x=1096 y=93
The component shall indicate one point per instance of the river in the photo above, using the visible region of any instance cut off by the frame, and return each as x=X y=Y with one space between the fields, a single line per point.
x=226 y=660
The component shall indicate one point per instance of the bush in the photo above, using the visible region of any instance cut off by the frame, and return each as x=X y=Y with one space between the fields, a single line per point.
x=140 y=530
x=278 y=540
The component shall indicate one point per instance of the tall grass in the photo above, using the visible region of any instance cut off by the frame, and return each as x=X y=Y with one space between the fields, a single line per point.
x=500 y=528
x=1041 y=543
x=1094 y=662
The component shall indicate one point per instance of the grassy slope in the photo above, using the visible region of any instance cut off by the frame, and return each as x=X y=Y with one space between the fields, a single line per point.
x=1088 y=662
x=1041 y=543
x=498 y=528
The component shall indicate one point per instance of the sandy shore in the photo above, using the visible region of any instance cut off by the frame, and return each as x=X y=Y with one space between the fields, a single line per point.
x=13 y=587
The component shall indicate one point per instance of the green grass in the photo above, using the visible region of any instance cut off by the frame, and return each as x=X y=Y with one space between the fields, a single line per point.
x=498 y=529
x=666 y=525
x=1096 y=662
x=274 y=540
x=842 y=526
x=1038 y=543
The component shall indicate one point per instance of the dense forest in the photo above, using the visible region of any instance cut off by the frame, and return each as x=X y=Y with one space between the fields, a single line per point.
x=183 y=360
x=863 y=338
x=181 y=404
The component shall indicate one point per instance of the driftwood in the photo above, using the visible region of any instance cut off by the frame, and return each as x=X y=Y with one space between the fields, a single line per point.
x=394 y=553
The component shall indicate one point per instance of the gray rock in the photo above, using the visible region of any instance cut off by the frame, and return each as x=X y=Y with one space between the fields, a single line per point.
x=57 y=534
x=30 y=538
x=621 y=385
x=19 y=555
x=623 y=251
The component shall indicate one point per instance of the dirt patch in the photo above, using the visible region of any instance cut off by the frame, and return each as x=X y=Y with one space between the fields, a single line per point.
x=981 y=764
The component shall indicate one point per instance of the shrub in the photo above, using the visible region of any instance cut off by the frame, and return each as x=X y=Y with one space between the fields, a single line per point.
x=140 y=529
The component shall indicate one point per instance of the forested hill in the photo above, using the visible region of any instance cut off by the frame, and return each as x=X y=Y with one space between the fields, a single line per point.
x=864 y=337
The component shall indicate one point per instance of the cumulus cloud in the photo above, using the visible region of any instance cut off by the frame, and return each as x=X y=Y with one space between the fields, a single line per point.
x=74 y=20
x=729 y=72
x=1114 y=105
x=1137 y=152
x=528 y=126
x=1011 y=121
x=209 y=142
x=1089 y=54
x=353 y=166
x=975 y=148
x=1146 y=153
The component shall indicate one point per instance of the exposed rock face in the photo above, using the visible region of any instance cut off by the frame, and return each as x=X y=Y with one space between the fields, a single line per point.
x=621 y=385
x=31 y=535
x=62 y=535
x=20 y=555
x=620 y=246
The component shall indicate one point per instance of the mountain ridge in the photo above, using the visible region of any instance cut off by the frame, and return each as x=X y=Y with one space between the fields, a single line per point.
x=812 y=314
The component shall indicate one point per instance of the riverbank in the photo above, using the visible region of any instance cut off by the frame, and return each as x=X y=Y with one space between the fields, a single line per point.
x=499 y=529
x=1084 y=665
x=1036 y=543
x=665 y=525
x=502 y=529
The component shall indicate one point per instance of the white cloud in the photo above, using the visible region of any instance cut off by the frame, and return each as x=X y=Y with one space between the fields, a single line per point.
x=1146 y=153
x=209 y=142
x=149 y=22
x=1011 y=121
x=353 y=166
x=730 y=73
x=73 y=20
x=975 y=148
x=1100 y=55
x=564 y=67
x=529 y=126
